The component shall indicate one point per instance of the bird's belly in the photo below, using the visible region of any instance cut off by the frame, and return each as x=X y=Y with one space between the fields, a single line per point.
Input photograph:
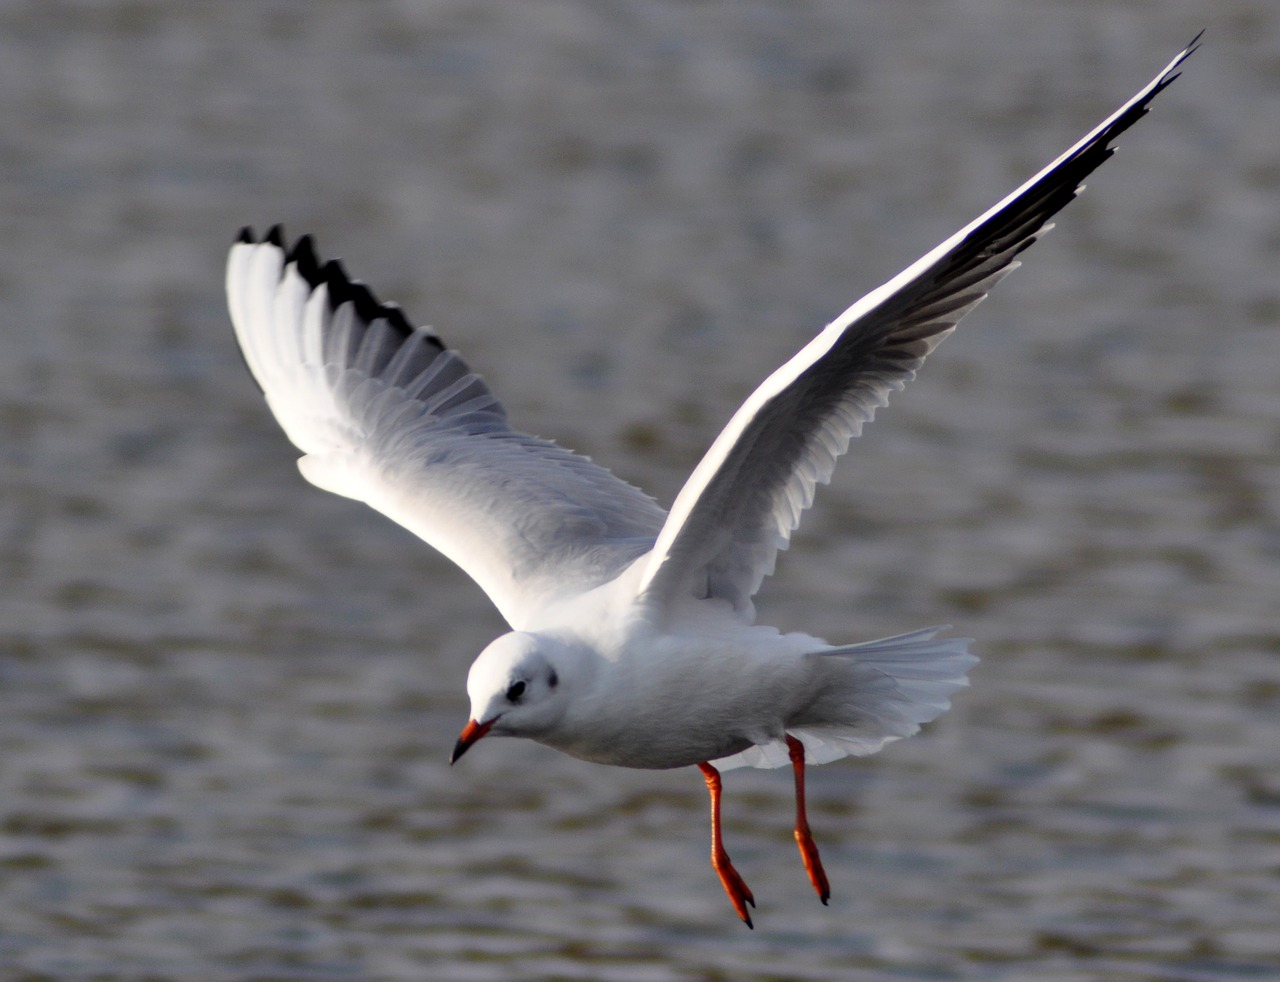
x=684 y=741
x=654 y=756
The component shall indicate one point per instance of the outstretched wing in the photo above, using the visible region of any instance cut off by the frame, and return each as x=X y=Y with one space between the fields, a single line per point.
x=385 y=414
x=741 y=503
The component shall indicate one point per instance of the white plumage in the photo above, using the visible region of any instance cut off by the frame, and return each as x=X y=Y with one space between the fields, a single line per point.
x=633 y=640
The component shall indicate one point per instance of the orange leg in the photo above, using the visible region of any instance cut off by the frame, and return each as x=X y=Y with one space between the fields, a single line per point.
x=808 y=849
x=739 y=893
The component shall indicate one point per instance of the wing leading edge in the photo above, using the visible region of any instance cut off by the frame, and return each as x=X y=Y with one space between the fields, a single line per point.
x=747 y=494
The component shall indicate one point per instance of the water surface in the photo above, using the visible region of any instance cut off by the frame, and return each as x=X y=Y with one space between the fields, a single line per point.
x=227 y=699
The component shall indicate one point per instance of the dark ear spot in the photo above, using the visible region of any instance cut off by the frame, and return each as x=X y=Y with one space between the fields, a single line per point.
x=554 y=679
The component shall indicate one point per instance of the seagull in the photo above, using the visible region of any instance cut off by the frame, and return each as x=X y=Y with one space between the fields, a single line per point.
x=633 y=639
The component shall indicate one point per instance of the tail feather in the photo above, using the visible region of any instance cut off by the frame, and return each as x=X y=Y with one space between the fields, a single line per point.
x=870 y=694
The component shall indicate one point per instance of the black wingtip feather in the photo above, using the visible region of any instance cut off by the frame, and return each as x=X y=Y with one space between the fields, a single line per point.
x=303 y=256
x=340 y=286
x=393 y=313
x=1044 y=201
x=335 y=279
x=343 y=289
x=368 y=307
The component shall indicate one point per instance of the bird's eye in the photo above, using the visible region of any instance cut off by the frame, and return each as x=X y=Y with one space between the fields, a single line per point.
x=515 y=691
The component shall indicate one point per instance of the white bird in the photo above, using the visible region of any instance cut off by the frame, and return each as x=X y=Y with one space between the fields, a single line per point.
x=632 y=638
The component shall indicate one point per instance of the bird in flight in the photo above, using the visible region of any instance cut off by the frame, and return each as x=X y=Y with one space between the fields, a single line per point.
x=633 y=639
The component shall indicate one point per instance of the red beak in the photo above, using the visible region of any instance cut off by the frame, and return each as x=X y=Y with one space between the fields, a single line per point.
x=472 y=732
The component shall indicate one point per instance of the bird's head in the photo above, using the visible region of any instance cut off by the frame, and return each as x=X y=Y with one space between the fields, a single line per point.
x=515 y=690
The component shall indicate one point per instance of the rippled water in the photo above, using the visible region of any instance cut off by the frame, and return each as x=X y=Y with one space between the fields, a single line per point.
x=226 y=699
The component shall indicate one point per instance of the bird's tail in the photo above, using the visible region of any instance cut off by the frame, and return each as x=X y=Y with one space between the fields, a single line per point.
x=870 y=694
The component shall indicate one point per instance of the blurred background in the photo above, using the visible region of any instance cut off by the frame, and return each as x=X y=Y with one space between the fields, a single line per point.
x=227 y=698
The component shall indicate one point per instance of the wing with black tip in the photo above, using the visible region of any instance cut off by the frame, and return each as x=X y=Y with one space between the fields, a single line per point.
x=386 y=414
x=746 y=496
